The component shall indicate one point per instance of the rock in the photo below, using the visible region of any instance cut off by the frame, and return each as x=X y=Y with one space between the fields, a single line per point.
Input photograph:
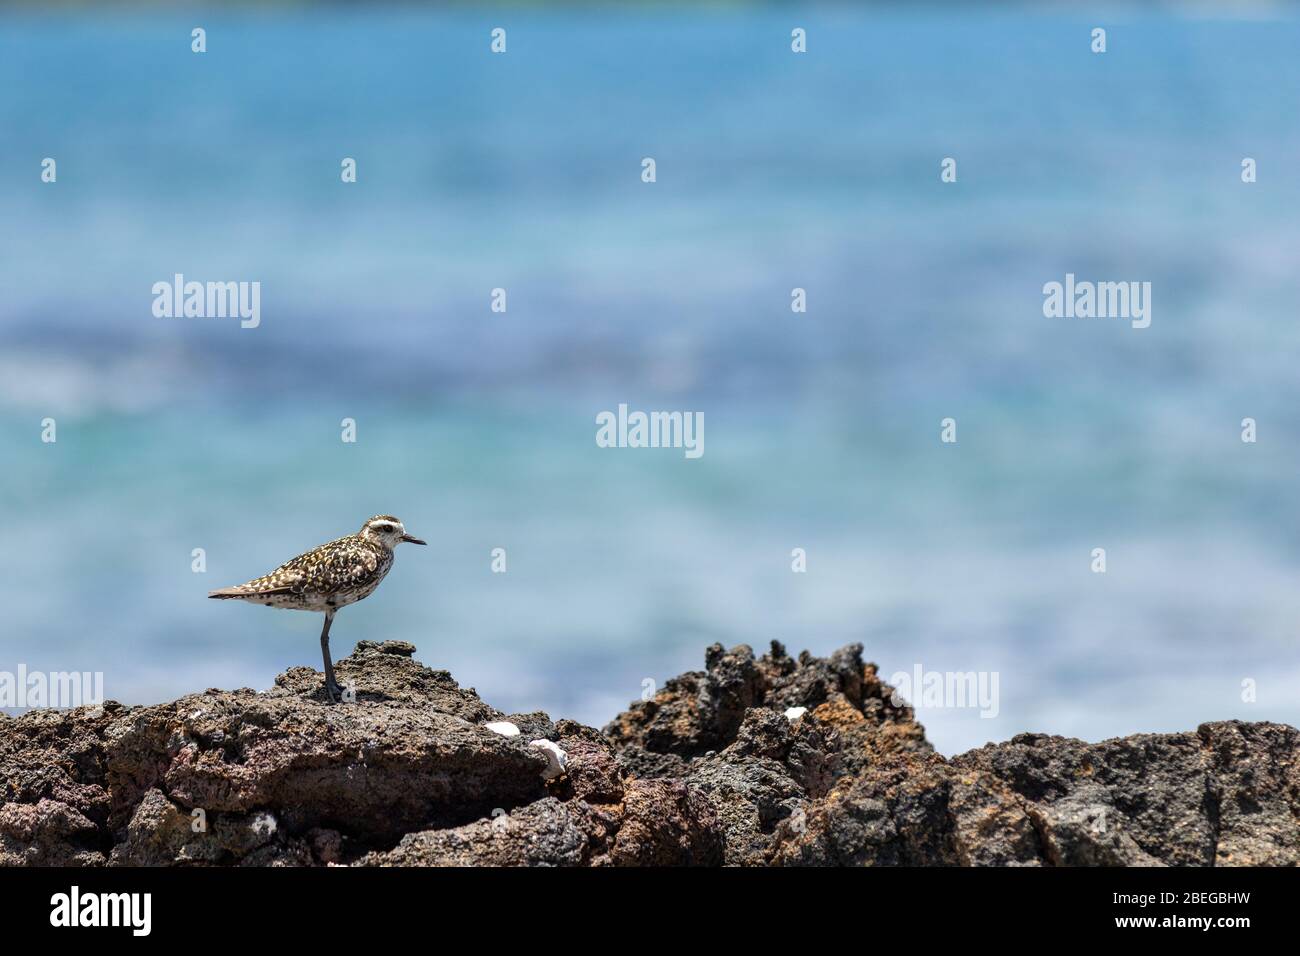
x=545 y=833
x=591 y=772
x=47 y=833
x=1223 y=795
x=410 y=753
x=754 y=761
x=703 y=711
x=383 y=769
x=762 y=769
x=533 y=726
x=326 y=845
x=697 y=711
x=1255 y=793
x=895 y=815
x=659 y=823
x=161 y=833
x=666 y=823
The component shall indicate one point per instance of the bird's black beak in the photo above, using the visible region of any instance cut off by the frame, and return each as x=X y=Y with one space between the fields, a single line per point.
x=413 y=540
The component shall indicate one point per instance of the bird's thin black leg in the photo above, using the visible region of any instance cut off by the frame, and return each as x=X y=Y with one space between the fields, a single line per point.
x=332 y=691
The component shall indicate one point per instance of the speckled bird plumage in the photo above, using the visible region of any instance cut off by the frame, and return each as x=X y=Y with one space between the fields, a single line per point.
x=328 y=577
x=336 y=574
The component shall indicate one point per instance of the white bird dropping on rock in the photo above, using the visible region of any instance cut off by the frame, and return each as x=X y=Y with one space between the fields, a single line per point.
x=794 y=713
x=556 y=759
x=503 y=727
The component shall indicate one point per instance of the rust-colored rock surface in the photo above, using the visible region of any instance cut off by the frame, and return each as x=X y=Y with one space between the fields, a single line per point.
x=754 y=761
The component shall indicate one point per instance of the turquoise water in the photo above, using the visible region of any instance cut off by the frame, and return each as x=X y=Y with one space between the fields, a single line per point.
x=522 y=171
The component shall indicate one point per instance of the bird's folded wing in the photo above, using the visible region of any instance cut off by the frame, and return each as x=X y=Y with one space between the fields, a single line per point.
x=280 y=581
x=342 y=570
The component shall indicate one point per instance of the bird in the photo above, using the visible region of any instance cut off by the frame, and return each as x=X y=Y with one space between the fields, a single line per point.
x=326 y=578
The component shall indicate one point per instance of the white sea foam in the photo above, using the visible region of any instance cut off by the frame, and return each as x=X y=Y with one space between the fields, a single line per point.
x=64 y=384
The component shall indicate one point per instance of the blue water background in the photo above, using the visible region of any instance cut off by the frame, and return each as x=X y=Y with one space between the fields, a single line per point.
x=775 y=170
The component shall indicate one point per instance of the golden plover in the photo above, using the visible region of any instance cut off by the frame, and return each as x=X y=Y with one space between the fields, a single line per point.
x=327 y=578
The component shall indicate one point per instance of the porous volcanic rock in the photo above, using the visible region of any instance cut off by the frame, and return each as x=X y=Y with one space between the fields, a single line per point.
x=753 y=761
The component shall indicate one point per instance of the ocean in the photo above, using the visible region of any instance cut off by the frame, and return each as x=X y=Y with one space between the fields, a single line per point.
x=774 y=171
